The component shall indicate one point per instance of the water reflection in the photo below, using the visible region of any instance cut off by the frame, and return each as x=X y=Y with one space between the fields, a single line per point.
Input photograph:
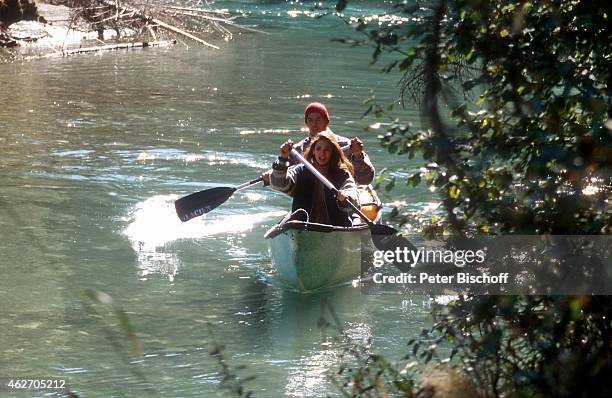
x=315 y=328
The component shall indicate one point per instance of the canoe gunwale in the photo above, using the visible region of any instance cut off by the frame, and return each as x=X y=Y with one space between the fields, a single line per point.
x=309 y=226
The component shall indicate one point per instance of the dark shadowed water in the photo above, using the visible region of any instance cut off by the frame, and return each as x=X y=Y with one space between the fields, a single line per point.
x=95 y=149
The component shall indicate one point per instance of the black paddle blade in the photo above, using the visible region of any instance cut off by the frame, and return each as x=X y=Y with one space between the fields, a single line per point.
x=383 y=230
x=387 y=238
x=202 y=202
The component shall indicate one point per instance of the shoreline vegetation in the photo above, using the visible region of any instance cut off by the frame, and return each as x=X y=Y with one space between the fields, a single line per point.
x=67 y=27
x=516 y=135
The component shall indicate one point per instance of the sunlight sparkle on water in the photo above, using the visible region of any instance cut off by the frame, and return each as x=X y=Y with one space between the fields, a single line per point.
x=294 y=13
x=253 y=196
x=265 y=131
x=308 y=378
x=142 y=156
x=192 y=157
x=431 y=206
x=211 y=157
x=590 y=190
x=154 y=225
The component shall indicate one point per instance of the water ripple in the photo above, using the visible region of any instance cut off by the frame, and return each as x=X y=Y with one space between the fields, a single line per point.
x=153 y=226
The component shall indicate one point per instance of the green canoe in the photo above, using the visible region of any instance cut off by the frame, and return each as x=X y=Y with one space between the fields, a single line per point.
x=310 y=256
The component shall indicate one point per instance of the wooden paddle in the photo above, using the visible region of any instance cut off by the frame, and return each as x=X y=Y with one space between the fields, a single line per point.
x=384 y=237
x=202 y=202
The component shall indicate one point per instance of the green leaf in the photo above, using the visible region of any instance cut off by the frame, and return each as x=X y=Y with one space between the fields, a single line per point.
x=492 y=342
x=470 y=84
x=414 y=180
x=390 y=185
x=459 y=111
x=454 y=191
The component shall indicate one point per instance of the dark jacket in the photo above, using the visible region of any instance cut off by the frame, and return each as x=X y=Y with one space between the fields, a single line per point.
x=363 y=169
x=301 y=184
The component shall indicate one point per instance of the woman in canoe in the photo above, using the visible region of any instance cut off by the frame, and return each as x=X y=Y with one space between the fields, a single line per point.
x=309 y=195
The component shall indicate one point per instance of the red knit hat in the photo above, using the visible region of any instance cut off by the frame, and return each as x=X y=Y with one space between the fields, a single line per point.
x=316 y=107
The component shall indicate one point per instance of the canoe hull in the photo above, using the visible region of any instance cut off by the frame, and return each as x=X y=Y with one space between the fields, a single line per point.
x=310 y=257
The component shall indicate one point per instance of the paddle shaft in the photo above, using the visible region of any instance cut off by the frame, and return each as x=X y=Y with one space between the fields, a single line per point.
x=248 y=184
x=328 y=184
x=202 y=202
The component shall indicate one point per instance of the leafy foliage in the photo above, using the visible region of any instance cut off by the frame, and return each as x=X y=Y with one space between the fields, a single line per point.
x=551 y=346
x=516 y=99
x=528 y=150
x=231 y=382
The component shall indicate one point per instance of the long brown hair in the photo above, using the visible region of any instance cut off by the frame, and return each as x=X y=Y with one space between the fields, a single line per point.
x=338 y=160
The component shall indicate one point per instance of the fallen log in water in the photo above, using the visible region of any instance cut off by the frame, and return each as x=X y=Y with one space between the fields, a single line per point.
x=119 y=46
x=124 y=8
x=181 y=32
x=199 y=10
x=127 y=20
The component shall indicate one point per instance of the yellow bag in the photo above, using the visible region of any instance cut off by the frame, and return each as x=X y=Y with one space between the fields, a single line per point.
x=369 y=203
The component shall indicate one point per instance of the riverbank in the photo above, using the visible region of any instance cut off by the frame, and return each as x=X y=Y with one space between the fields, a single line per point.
x=56 y=29
x=61 y=30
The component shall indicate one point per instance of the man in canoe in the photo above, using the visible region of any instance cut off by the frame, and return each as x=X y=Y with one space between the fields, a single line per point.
x=311 y=200
x=316 y=117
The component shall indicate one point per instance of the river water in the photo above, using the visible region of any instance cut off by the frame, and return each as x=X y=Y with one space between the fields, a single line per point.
x=96 y=148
